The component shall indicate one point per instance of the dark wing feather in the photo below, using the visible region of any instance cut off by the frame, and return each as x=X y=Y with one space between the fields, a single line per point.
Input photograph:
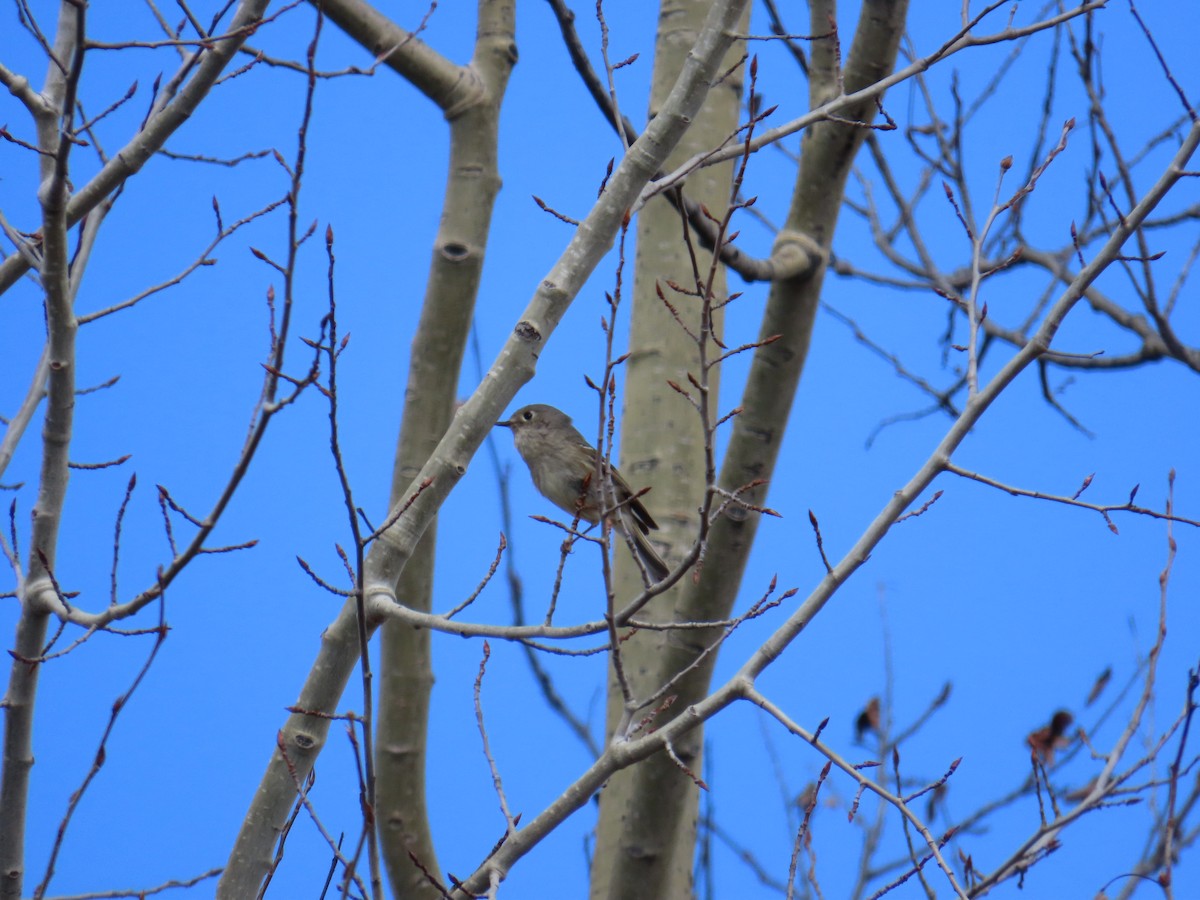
x=645 y=522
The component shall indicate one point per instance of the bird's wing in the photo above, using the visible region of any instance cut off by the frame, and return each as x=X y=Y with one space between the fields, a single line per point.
x=645 y=522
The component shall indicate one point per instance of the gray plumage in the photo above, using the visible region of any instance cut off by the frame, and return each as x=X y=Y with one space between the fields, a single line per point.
x=563 y=467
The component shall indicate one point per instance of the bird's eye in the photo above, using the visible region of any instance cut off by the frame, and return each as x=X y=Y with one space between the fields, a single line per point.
x=527 y=415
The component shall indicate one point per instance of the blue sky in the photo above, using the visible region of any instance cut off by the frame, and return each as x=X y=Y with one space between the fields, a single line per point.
x=1019 y=604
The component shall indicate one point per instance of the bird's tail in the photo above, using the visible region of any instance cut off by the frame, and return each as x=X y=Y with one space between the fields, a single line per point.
x=651 y=562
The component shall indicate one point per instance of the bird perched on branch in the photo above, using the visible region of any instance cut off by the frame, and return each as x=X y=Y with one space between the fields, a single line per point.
x=564 y=469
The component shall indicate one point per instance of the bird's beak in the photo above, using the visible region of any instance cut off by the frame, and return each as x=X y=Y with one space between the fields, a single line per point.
x=507 y=424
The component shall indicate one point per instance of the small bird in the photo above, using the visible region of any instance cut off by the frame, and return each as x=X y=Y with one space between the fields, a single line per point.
x=563 y=466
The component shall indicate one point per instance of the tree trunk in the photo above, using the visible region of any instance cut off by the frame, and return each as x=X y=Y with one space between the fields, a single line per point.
x=647 y=824
x=647 y=831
